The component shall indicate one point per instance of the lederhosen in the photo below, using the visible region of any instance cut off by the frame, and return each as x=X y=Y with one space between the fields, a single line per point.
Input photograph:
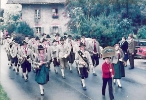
x=15 y=59
x=55 y=62
x=84 y=70
x=71 y=56
x=8 y=52
x=26 y=65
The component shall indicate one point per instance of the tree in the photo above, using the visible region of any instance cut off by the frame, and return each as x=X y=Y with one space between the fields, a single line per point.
x=24 y=28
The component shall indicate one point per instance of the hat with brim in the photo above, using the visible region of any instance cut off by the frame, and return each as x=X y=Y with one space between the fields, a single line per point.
x=40 y=47
x=82 y=45
x=54 y=41
x=44 y=40
x=37 y=38
x=108 y=52
x=62 y=39
x=57 y=34
x=48 y=36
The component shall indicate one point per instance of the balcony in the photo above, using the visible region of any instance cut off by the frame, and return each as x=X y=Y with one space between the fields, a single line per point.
x=55 y=16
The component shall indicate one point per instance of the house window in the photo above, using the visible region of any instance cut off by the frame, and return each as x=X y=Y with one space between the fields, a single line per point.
x=55 y=13
x=37 y=13
x=38 y=30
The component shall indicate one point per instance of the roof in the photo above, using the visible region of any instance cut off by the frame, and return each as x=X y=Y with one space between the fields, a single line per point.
x=35 y=1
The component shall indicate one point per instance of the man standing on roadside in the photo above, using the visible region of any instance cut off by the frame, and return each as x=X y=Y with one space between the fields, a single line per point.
x=131 y=49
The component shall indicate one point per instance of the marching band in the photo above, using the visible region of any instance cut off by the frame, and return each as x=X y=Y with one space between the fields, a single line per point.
x=34 y=53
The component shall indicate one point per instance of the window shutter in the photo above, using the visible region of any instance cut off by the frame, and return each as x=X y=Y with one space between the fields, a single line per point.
x=34 y=30
x=60 y=29
x=51 y=30
x=42 y=30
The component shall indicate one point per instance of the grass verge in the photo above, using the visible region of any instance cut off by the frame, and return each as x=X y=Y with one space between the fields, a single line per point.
x=3 y=95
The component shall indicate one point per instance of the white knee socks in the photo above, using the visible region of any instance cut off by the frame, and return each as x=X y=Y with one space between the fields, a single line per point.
x=83 y=82
x=62 y=71
x=41 y=89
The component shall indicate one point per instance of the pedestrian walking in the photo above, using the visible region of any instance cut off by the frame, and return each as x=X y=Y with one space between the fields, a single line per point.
x=42 y=71
x=94 y=51
x=117 y=61
x=25 y=60
x=124 y=47
x=84 y=61
x=107 y=71
x=54 y=56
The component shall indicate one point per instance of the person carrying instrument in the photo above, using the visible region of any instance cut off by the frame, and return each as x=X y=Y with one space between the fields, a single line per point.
x=42 y=71
x=107 y=71
x=24 y=58
x=84 y=61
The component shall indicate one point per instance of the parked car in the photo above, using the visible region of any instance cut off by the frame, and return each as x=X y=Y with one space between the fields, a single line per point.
x=141 y=52
x=140 y=45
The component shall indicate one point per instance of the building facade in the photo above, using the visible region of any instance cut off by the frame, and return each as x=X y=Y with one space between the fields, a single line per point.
x=44 y=16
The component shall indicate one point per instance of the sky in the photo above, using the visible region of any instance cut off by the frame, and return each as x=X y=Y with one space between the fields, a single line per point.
x=3 y=3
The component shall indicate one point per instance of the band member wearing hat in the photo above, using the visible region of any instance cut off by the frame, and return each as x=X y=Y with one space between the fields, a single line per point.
x=13 y=52
x=42 y=71
x=84 y=61
x=57 y=38
x=48 y=39
x=54 y=56
x=71 y=56
x=94 y=51
x=76 y=49
x=25 y=60
x=7 y=47
x=47 y=50
x=131 y=49
x=62 y=54
x=117 y=60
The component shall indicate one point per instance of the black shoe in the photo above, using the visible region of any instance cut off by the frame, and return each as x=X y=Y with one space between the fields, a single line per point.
x=70 y=71
x=56 y=72
x=26 y=80
x=27 y=76
x=42 y=94
x=13 y=69
x=10 y=67
x=17 y=73
x=119 y=86
x=22 y=76
x=17 y=69
x=63 y=77
x=84 y=88
x=94 y=74
x=131 y=68
x=103 y=96
x=114 y=83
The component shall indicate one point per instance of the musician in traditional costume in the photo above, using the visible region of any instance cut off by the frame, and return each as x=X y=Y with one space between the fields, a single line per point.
x=94 y=51
x=7 y=47
x=25 y=60
x=54 y=56
x=76 y=49
x=42 y=71
x=71 y=56
x=62 y=54
x=13 y=52
x=48 y=40
x=117 y=61
x=84 y=61
x=107 y=71
x=47 y=49
x=57 y=38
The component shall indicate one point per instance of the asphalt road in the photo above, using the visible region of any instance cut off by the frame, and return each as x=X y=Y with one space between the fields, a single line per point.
x=134 y=84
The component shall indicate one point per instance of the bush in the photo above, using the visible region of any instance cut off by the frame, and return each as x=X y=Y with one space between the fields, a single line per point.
x=142 y=33
x=24 y=28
